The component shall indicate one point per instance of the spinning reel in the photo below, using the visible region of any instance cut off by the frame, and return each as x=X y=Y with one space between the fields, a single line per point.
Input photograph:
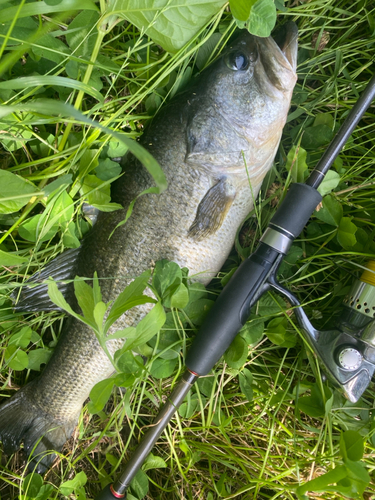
x=347 y=353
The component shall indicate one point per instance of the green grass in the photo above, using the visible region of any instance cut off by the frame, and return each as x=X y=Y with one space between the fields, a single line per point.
x=227 y=446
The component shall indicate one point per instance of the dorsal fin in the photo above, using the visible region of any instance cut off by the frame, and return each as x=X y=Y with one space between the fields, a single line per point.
x=212 y=209
x=34 y=296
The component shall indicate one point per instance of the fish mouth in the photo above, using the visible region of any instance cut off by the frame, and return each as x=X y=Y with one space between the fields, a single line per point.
x=278 y=55
x=286 y=37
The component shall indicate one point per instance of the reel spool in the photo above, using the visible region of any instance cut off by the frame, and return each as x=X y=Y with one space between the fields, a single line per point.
x=357 y=319
x=359 y=304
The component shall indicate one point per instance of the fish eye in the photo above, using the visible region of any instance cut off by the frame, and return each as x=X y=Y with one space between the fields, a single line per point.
x=237 y=61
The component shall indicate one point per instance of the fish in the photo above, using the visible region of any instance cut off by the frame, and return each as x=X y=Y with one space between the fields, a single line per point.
x=215 y=141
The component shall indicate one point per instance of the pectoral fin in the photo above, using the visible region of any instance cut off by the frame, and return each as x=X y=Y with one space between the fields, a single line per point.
x=212 y=209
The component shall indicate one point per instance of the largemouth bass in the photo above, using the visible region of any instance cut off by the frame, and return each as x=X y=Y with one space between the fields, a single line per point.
x=215 y=142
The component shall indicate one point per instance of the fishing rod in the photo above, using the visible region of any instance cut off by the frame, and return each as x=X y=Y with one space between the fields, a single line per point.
x=347 y=353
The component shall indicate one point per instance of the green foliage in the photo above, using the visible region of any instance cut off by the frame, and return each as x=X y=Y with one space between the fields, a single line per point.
x=252 y=331
x=76 y=89
x=38 y=357
x=55 y=81
x=246 y=379
x=296 y=163
x=262 y=18
x=34 y=488
x=15 y=191
x=170 y=282
x=139 y=484
x=290 y=260
x=97 y=194
x=332 y=213
x=349 y=479
x=278 y=334
x=351 y=446
x=16 y=357
x=153 y=462
x=163 y=368
x=241 y=9
x=74 y=485
x=44 y=106
x=346 y=233
x=167 y=278
x=258 y=16
x=94 y=310
x=236 y=354
x=170 y=24
x=330 y=182
x=317 y=404
x=8 y=259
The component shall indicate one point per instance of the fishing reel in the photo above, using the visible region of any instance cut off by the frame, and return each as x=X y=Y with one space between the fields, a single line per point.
x=347 y=353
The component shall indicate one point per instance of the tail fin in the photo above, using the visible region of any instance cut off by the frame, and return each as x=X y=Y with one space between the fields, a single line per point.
x=21 y=419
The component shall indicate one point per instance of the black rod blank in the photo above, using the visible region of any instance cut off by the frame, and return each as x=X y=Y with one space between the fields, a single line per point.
x=153 y=434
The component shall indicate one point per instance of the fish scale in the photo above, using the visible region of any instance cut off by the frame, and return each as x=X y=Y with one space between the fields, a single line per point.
x=215 y=142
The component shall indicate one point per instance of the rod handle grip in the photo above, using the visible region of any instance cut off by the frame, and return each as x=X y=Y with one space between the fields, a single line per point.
x=230 y=311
